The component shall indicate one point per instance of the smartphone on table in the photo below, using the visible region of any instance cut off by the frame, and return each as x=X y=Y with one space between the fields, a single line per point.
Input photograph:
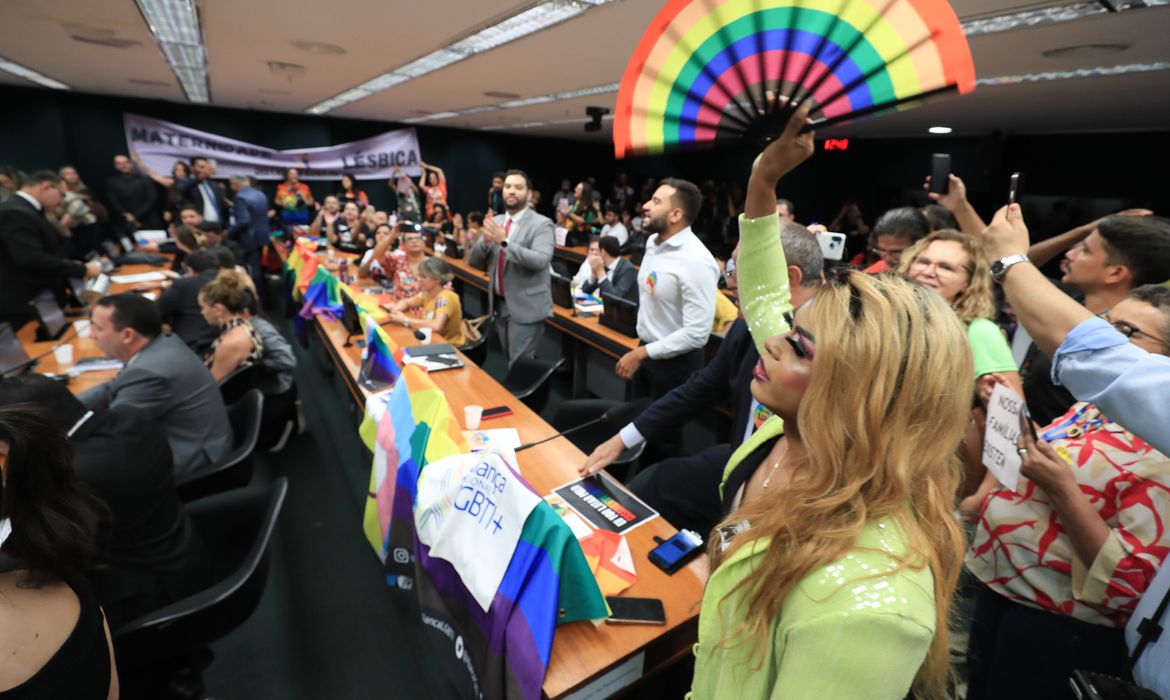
x=496 y=412
x=635 y=611
x=672 y=554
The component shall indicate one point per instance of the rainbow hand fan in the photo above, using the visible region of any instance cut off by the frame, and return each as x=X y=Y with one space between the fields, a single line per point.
x=703 y=70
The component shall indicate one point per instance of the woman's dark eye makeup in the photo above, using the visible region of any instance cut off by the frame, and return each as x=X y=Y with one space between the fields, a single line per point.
x=799 y=346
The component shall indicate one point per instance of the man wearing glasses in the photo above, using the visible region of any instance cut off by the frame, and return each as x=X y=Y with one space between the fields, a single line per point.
x=1121 y=254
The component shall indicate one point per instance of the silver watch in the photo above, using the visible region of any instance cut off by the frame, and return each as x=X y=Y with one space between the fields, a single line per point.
x=1000 y=267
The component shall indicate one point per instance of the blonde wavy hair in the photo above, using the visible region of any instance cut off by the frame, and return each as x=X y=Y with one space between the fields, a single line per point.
x=978 y=299
x=886 y=406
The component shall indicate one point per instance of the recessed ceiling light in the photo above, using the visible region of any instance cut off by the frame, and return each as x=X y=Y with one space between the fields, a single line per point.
x=533 y=19
x=30 y=74
x=940 y=129
x=1085 y=50
x=502 y=95
x=319 y=47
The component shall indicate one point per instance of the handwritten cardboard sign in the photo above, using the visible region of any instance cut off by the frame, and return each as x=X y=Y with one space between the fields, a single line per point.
x=1001 y=436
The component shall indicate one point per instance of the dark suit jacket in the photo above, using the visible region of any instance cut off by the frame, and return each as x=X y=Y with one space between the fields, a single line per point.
x=179 y=307
x=150 y=555
x=135 y=194
x=191 y=192
x=727 y=377
x=32 y=257
x=622 y=281
x=171 y=384
x=250 y=229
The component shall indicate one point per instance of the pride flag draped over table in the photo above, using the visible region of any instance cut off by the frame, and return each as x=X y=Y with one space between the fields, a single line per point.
x=500 y=652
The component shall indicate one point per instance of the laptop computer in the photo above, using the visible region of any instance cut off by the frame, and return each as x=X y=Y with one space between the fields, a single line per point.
x=13 y=358
x=50 y=315
x=454 y=250
x=619 y=314
x=562 y=290
x=349 y=316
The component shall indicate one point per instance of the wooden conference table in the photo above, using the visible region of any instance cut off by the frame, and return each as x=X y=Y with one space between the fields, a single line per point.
x=584 y=657
x=582 y=654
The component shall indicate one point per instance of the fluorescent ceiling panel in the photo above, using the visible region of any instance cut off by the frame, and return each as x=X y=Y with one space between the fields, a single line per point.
x=175 y=26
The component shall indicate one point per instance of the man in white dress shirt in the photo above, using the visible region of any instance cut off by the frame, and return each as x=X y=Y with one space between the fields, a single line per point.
x=676 y=287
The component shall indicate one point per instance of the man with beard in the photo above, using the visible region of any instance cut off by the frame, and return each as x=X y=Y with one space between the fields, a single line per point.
x=515 y=249
x=677 y=286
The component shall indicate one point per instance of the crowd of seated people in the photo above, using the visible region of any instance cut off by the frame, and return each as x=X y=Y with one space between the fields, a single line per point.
x=860 y=397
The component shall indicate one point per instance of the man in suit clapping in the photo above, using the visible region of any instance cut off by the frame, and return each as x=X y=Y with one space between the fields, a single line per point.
x=515 y=249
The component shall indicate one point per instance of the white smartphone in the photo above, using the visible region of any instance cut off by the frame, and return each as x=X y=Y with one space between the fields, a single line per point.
x=832 y=245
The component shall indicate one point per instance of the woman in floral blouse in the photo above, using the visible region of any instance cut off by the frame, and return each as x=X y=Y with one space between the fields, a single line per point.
x=1064 y=560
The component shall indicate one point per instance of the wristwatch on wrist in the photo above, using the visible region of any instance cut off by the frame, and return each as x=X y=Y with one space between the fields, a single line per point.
x=504 y=244
x=1000 y=267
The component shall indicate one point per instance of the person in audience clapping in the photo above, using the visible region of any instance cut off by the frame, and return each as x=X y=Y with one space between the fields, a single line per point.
x=439 y=307
x=1064 y=559
x=224 y=302
x=347 y=231
x=371 y=263
x=832 y=577
x=439 y=222
x=56 y=639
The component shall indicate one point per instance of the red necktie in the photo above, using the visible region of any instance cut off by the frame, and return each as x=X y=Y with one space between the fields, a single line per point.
x=500 y=265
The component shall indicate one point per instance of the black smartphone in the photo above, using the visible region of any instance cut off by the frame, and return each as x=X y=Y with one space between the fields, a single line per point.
x=1014 y=189
x=496 y=412
x=636 y=611
x=940 y=173
x=672 y=554
x=1026 y=423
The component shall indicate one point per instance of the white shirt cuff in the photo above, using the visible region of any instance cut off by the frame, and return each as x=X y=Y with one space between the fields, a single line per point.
x=630 y=436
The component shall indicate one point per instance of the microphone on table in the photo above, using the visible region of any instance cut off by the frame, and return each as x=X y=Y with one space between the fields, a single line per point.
x=621 y=413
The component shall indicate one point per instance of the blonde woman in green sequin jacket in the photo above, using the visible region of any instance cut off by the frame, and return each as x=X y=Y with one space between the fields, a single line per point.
x=833 y=575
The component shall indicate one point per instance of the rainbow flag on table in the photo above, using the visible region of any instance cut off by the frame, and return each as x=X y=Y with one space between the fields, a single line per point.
x=382 y=358
x=548 y=580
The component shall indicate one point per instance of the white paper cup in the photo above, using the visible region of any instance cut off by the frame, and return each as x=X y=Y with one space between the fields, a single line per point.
x=427 y=332
x=472 y=416
x=63 y=354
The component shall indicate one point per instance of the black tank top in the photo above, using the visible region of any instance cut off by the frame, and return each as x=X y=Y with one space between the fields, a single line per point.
x=80 y=669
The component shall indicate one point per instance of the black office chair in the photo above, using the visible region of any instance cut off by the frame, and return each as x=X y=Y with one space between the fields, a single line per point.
x=476 y=351
x=235 y=469
x=236 y=527
x=572 y=414
x=528 y=380
x=238 y=383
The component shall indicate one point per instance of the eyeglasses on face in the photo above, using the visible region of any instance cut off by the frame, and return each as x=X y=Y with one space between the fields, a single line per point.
x=1129 y=331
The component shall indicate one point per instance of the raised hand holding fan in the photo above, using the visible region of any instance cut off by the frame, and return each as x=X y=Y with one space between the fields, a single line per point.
x=703 y=71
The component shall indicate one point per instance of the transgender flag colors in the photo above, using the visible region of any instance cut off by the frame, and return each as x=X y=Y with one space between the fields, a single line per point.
x=702 y=70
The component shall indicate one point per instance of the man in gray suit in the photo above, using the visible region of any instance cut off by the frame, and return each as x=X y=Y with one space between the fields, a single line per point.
x=162 y=378
x=515 y=249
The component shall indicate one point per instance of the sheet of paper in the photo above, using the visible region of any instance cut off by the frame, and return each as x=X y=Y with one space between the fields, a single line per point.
x=138 y=278
x=1001 y=436
x=147 y=235
x=500 y=437
x=99 y=365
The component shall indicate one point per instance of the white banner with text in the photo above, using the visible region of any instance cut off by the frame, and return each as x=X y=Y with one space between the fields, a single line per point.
x=159 y=144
